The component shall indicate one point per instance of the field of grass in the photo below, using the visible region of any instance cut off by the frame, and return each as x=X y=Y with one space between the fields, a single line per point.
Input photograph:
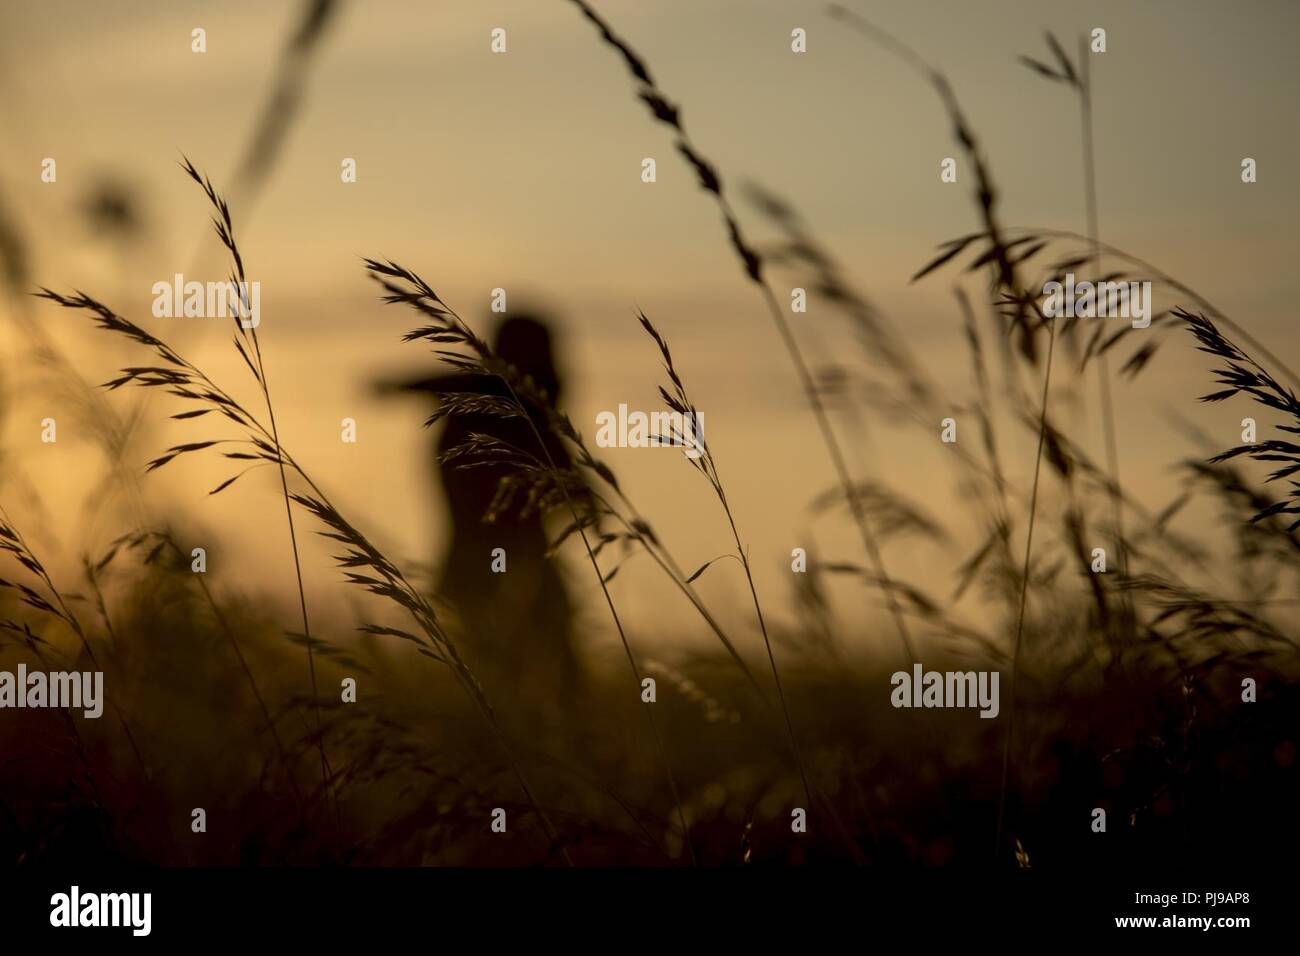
x=1121 y=690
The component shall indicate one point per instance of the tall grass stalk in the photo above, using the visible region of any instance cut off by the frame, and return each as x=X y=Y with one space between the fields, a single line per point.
x=1024 y=589
x=706 y=464
x=1015 y=296
x=1079 y=79
x=1094 y=235
x=665 y=111
x=225 y=231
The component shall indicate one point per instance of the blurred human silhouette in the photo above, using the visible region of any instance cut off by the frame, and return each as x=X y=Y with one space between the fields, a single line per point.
x=517 y=622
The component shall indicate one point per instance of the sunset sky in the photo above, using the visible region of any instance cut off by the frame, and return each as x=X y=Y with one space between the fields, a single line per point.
x=522 y=171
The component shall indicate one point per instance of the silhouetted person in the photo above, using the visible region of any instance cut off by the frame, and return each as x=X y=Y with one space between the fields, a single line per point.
x=517 y=623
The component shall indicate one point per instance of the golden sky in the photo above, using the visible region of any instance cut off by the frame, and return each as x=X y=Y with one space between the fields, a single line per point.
x=522 y=171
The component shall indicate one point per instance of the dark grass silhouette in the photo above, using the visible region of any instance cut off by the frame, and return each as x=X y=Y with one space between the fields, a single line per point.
x=665 y=111
x=1150 y=728
x=182 y=379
